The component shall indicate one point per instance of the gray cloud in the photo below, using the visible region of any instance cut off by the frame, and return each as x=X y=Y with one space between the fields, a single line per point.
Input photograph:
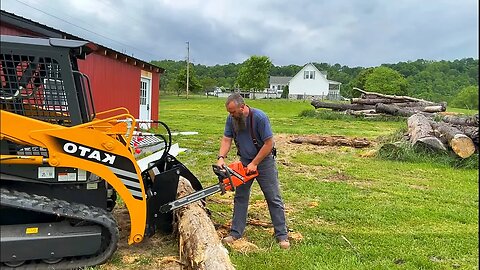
x=353 y=33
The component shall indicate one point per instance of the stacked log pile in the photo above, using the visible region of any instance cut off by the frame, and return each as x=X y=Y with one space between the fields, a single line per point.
x=374 y=104
x=455 y=132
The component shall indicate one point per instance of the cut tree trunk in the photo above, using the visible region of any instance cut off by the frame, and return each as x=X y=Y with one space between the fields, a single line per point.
x=200 y=245
x=340 y=106
x=421 y=131
x=431 y=109
x=459 y=120
x=333 y=141
x=397 y=111
x=460 y=143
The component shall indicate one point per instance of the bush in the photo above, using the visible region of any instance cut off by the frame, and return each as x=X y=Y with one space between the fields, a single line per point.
x=467 y=98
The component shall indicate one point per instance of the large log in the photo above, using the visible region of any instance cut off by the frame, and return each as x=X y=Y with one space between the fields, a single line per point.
x=460 y=143
x=421 y=131
x=333 y=141
x=340 y=106
x=379 y=95
x=461 y=120
x=200 y=245
x=397 y=111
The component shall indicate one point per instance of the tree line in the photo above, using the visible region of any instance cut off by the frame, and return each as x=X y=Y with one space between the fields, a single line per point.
x=455 y=82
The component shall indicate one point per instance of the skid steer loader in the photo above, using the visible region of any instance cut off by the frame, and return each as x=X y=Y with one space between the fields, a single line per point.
x=63 y=163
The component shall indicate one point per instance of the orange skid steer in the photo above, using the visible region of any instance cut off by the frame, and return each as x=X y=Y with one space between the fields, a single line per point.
x=62 y=164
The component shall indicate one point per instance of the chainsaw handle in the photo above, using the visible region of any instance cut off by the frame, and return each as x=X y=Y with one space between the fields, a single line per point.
x=229 y=176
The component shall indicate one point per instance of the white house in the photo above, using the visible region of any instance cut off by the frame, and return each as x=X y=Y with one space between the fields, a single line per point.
x=278 y=83
x=310 y=83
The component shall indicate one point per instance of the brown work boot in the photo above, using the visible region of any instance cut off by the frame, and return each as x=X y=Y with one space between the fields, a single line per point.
x=229 y=239
x=284 y=244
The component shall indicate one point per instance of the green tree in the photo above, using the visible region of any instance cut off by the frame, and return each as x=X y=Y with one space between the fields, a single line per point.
x=285 y=92
x=358 y=82
x=467 y=98
x=181 y=81
x=208 y=83
x=254 y=72
x=387 y=81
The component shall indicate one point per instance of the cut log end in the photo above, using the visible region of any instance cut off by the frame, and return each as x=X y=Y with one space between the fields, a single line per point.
x=462 y=145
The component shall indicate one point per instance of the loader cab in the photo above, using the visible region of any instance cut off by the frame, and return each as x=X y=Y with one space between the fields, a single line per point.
x=40 y=79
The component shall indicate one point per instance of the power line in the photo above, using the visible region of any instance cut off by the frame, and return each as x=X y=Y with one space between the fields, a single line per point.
x=85 y=29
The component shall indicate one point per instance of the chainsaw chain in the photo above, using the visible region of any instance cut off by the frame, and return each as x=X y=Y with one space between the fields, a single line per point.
x=69 y=210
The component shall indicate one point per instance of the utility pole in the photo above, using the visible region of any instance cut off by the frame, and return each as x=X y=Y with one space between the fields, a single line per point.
x=188 y=64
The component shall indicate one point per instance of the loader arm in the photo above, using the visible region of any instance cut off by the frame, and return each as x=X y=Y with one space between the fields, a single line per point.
x=85 y=147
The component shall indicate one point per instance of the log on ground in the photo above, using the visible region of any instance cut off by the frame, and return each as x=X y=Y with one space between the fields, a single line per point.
x=461 y=120
x=200 y=245
x=421 y=131
x=340 y=106
x=460 y=143
x=333 y=141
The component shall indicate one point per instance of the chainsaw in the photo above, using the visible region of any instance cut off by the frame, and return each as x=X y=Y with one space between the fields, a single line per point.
x=229 y=177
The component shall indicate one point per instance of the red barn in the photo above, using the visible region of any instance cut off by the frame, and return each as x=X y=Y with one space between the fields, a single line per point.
x=117 y=80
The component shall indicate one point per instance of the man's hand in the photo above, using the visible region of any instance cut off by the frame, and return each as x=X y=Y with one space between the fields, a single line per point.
x=251 y=168
x=220 y=162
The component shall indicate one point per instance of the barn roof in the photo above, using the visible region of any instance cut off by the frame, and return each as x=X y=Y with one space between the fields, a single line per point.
x=47 y=31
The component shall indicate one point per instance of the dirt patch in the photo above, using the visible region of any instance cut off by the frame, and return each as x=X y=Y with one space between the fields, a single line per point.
x=156 y=252
x=338 y=177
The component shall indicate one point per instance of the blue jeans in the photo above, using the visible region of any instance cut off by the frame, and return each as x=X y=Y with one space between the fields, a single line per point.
x=268 y=180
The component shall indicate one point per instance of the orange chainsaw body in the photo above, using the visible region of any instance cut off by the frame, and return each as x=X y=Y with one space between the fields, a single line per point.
x=238 y=167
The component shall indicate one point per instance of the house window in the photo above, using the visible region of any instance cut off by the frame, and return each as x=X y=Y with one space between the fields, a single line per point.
x=309 y=74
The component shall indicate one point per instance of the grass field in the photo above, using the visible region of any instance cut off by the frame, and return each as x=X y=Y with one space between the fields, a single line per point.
x=345 y=209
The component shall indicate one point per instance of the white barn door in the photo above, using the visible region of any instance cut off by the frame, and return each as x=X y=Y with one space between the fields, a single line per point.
x=145 y=100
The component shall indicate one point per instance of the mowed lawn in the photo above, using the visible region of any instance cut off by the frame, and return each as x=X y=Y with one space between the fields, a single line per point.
x=345 y=209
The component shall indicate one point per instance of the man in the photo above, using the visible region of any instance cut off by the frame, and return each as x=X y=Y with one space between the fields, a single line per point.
x=251 y=131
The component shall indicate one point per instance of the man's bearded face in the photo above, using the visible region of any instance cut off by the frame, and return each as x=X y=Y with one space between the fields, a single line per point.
x=239 y=119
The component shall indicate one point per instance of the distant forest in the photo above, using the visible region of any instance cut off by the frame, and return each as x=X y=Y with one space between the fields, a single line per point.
x=431 y=80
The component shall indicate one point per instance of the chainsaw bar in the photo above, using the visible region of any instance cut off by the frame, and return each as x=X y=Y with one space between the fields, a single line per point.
x=227 y=182
x=193 y=197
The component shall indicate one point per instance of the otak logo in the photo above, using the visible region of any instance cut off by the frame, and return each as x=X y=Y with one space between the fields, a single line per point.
x=85 y=152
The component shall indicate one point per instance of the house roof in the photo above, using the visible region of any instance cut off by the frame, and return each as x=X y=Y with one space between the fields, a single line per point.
x=47 y=31
x=321 y=71
x=279 y=80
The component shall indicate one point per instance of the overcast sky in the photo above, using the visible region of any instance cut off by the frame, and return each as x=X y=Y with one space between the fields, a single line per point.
x=349 y=32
